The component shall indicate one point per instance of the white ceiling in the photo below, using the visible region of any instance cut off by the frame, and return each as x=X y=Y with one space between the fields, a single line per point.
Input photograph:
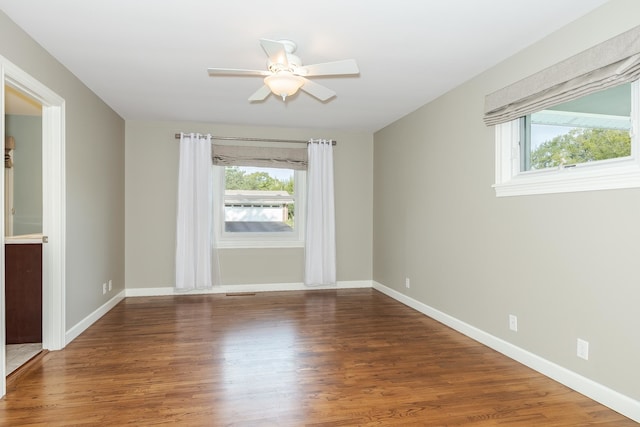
x=148 y=59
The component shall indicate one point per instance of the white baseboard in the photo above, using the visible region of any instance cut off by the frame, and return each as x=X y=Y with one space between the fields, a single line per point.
x=223 y=289
x=617 y=401
x=81 y=326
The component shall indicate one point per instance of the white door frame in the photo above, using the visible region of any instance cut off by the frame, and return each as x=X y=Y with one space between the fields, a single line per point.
x=53 y=210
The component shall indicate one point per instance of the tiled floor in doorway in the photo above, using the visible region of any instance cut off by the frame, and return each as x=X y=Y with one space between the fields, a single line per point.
x=18 y=354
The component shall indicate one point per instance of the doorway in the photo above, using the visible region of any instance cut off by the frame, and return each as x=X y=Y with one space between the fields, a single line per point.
x=23 y=227
x=13 y=78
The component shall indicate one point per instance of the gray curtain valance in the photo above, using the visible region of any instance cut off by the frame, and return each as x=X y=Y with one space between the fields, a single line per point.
x=270 y=157
x=611 y=63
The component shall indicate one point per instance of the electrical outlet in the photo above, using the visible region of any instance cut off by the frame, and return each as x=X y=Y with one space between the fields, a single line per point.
x=513 y=322
x=104 y=288
x=407 y=283
x=583 y=349
x=110 y=285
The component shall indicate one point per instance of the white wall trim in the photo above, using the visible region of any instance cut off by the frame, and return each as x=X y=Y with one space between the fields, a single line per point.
x=267 y=287
x=85 y=323
x=53 y=201
x=53 y=205
x=617 y=401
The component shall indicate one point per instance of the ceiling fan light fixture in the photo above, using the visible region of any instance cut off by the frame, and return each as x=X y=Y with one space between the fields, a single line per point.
x=285 y=74
x=284 y=83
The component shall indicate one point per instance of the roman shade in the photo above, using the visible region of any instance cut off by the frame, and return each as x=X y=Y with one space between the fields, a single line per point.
x=611 y=63
x=271 y=157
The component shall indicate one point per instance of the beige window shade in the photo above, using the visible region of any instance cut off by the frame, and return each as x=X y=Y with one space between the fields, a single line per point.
x=611 y=63
x=270 y=157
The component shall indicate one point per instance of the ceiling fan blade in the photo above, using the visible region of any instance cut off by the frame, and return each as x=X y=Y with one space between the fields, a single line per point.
x=347 y=66
x=314 y=89
x=275 y=51
x=236 y=72
x=261 y=94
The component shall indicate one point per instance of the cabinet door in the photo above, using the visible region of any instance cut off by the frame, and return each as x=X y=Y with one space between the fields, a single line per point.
x=23 y=293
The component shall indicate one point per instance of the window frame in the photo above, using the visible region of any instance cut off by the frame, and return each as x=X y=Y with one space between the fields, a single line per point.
x=227 y=239
x=511 y=180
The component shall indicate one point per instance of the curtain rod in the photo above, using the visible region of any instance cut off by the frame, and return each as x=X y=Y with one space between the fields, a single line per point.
x=238 y=138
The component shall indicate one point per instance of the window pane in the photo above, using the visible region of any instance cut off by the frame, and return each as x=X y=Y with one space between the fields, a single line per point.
x=591 y=128
x=259 y=199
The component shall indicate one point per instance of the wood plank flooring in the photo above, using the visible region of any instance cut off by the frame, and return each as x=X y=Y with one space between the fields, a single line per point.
x=316 y=358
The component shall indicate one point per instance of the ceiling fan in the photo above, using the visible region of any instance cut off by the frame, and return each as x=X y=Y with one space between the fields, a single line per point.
x=285 y=73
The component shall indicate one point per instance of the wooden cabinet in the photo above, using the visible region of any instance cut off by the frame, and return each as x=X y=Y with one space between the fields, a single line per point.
x=23 y=293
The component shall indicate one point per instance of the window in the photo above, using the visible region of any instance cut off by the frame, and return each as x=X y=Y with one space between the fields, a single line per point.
x=258 y=206
x=588 y=143
x=592 y=128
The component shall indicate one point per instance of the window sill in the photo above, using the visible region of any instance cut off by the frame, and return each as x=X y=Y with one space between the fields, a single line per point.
x=257 y=244
x=625 y=174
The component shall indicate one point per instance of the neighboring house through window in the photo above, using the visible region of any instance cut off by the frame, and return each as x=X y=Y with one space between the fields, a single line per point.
x=258 y=206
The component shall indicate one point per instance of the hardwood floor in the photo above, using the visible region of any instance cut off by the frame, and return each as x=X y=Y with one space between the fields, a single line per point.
x=315 y=358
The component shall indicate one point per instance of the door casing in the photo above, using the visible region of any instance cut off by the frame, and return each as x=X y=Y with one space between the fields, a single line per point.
x=53 y=206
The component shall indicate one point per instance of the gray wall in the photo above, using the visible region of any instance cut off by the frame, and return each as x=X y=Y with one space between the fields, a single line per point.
x=94 y=177
x=151 y=188
x=565 y=264
x=27 y=172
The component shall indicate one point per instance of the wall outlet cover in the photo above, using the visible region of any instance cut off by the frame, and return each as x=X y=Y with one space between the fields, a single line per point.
x=583 y=349
x=513 y=322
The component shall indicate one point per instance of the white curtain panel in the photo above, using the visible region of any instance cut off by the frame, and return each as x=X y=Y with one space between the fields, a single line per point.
x=193 y=234
x=320 y=242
